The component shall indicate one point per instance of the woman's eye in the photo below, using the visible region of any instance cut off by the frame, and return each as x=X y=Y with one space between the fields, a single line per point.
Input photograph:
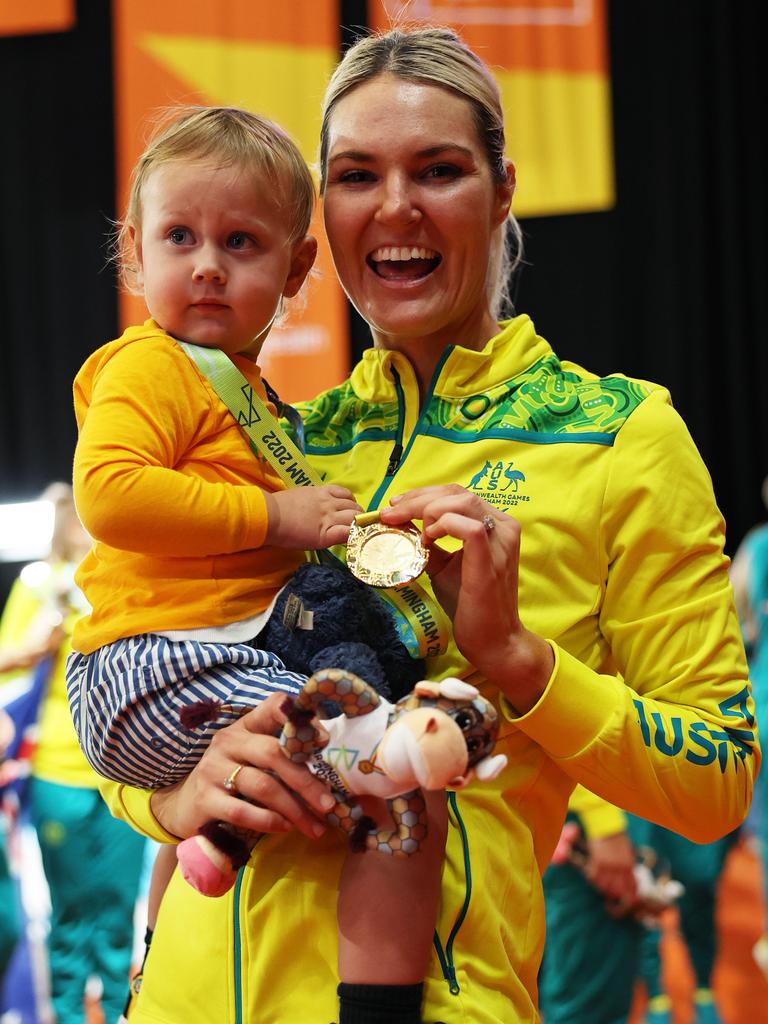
x=178 y=236
x=354 y=177
x=439 y=171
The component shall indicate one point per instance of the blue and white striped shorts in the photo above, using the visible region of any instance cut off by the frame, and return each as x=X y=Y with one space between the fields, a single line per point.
x=126 y=700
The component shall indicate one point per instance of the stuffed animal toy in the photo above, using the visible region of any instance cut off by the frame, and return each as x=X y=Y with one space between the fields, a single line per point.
x=327 y=618
x=439 y=736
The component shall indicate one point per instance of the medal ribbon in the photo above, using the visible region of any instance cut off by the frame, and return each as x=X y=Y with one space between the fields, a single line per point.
x=421 y=622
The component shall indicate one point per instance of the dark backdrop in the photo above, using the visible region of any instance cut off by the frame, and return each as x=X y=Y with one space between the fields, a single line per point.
x=667 y=286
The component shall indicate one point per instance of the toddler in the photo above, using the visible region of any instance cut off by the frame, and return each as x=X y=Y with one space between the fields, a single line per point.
x=193 y=535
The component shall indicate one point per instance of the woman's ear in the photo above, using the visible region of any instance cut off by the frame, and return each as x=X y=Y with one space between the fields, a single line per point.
x=504 y=192
x=302 y=260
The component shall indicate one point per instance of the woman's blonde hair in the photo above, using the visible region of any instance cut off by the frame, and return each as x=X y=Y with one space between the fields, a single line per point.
x=230 y=137
x=435 y=56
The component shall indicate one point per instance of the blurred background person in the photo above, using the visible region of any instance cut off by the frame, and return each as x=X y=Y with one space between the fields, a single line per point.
x=92 y=862
x=9 y=922
x=749 y=575
x=591 y=889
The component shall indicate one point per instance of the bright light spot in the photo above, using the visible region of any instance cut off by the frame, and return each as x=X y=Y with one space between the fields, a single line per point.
x=26 y=530
x=35 y=574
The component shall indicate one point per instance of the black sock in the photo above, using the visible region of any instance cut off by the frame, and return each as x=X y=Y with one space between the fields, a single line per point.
x=380 y=1004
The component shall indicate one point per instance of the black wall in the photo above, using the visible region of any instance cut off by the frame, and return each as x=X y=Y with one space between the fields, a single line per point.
x=667 y=286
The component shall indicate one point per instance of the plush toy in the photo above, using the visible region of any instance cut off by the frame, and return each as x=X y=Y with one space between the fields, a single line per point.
x=327 y=618
x=441 y=735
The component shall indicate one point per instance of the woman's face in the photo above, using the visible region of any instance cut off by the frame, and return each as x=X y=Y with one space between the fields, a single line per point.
x=410 y=212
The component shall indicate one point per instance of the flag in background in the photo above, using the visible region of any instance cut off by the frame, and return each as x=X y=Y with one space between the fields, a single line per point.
x=31 y=16
x=273 y=59
x=550 y=58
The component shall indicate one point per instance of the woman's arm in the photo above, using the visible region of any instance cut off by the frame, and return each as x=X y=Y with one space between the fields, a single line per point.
x=671 y=735
x=278 y=795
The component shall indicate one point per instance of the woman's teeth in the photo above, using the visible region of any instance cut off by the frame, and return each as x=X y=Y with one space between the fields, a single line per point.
x=400 y=253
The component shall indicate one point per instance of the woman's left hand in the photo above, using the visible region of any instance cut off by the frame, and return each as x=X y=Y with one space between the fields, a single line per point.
x=477 y=585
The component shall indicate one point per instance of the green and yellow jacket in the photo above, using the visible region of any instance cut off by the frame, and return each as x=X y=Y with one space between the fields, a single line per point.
x=622 y=569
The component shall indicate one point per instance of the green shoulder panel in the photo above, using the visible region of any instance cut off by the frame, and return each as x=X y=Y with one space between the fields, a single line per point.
x=543 y=401
x=337 y=419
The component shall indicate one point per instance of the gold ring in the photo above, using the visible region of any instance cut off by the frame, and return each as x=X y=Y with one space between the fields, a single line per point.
x=231 y=779
x=489 y=523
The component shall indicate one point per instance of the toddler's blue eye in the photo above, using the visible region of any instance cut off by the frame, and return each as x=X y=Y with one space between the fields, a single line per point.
x=178 y=236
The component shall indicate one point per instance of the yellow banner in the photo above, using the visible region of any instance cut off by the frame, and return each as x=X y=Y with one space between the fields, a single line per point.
x=550 y=58
x=28 y=17
x=273 y=59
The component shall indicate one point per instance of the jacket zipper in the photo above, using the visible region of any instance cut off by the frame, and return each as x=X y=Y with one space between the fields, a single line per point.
x=398 y=454
x=237 y=951
x=445 y=955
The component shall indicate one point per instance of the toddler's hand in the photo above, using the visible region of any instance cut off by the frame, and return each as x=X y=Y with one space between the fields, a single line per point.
x=310 y=517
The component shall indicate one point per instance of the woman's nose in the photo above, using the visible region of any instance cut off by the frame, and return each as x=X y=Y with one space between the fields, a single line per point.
x=397 y=204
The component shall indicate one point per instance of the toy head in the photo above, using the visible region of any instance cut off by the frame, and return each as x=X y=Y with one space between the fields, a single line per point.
x=424 y=747
x=456 y=730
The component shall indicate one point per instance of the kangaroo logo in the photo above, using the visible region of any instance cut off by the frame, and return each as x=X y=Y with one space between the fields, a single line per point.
x=499 y=482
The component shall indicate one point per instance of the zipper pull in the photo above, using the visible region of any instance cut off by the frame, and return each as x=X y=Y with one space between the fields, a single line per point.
x=394 y=459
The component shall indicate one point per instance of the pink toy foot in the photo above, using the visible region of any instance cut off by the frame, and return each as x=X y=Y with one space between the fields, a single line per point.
x=205 y=867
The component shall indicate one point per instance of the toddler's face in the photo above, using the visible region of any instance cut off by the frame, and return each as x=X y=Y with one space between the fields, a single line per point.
x=215 y=255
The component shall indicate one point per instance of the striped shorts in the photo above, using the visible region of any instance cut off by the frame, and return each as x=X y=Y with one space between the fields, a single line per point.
x=126 y=700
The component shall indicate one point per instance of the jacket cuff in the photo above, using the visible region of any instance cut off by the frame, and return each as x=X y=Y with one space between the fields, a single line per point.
x=133 y=807
x=574 y=708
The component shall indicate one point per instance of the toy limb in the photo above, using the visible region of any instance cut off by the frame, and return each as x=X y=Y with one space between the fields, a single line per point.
x=409 y=813
x=300 y=740
x=210 y=860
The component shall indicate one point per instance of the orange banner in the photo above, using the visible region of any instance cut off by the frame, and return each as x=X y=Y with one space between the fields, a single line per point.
x=33 y=16
x=550 y=58
x=274 y=59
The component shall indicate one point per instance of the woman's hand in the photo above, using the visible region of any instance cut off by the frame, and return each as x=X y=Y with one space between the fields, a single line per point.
x=278 y=795
x=477 y=586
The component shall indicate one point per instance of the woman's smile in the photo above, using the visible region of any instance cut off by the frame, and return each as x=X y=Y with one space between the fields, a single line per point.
x=403 y=263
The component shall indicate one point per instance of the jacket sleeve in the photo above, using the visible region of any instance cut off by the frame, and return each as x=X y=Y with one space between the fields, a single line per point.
x=132 y=806
x=671 y=737
x=133 y=485
x=598 y=818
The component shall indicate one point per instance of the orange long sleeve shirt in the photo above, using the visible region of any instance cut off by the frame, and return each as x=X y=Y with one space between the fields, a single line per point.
x=168 y=487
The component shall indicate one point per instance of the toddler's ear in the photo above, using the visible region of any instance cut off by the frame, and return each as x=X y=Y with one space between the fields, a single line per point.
x=135 y=237
x=302 y=260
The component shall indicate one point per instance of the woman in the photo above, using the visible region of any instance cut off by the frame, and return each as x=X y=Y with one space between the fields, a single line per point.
x=574 y=505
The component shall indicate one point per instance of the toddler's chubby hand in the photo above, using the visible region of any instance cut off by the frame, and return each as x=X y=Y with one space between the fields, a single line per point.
x=310 y=518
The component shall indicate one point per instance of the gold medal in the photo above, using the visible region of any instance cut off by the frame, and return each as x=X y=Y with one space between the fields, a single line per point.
x=384 y=556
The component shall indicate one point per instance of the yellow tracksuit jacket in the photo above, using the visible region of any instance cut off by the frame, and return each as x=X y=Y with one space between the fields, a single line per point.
x=648 y=704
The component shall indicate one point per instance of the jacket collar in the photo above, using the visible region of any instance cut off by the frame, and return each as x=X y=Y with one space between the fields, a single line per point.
x=462 y=372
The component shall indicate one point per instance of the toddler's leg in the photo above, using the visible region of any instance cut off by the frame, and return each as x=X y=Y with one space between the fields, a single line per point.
x=162 y=869
x=387 y=910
